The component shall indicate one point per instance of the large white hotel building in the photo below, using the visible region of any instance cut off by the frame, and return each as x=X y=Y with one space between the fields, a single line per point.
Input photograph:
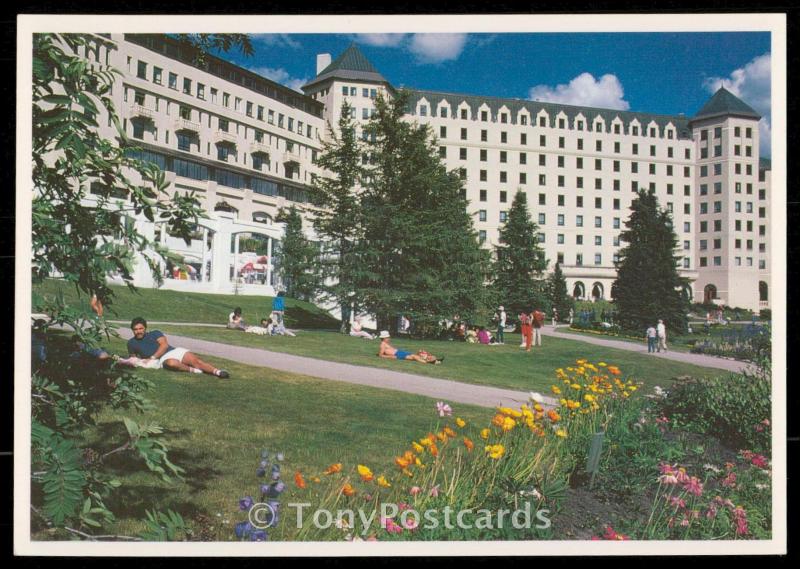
x=247 y=146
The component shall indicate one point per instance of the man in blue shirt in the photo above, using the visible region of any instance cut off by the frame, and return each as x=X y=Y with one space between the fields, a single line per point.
x=154 y=346
x=278 y=308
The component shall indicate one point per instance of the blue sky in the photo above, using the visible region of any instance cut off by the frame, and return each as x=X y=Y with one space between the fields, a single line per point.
x=665 y=73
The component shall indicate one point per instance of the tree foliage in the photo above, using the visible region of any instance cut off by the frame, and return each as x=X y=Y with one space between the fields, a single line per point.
x=420 y=254
x=648 y=286
x=520 y=262
x=557 y=292
x=297 y=262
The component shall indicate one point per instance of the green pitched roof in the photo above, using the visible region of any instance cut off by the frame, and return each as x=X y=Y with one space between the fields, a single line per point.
x=350 y=65
x=723 y=103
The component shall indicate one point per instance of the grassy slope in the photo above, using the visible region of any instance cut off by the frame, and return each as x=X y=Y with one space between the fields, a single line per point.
x=500 y=366
x=174 y=306
x=216 y=430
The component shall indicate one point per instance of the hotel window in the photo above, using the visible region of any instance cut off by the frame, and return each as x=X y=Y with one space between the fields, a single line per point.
x=561 y=199
x=717 y=243
x=579 y=201
x=685 y=259
x=542 y=199
x=579 y=259
x=580 y=144
x=737 y=243
x=616 y=147
x=717 y=207
x=749 y=226
x=542 y=219
x=598 y=240
x=652 y=169
x=523 y=138
x=687 y=209
x=138 y=98
x=703 y=261
x=749 y=244
x=738 y=261
x=598 y=183
x=738 y=187
x=561 y=142
x=737 y=225
x=598 y=221
x=503 y=118
x=138 y=129
x=717 y=150
x=635 y=149
x=187 y=86
x=542 y=121
x=503 y=216
x=280 y=119
x=258 y=162
x=762 y=212
x=717 y=261
x=222 y=152
x=482 y=215
x=762 y=230
x=737 y=150
x=634 y=186
x=703 y=208
x=561 y=123
x=481 y=236
x=364 y=114
x=373 y=93
x=463 y=134
x=598 y=259
x=579 y=163
x=616 y=131
x=484 y=135
x=669 y=148
x=423 y=111
x=463 y=114
x=223 y=124
x=542 y=179
x=580 y=125
x=259 y=136
x=616 y=204
x=560 y=219
x=687 y=245
x=703 y=171
x=503 y=157
x=482 y=195
x=579 y=182
x=523 y=158
x=523 y=120
x=579 y=240
x=703 y=227
x=748 y=150
x=185 y=113
x=718 y=132
x=483 y=155
x=503 y=137
x=157 y=75
x=523 y=178
x=598 y=164
x=717 y=225
x=560 y=161
x=634 y=167
x=687 y=154
x=749 y=189
x=345 y=90
x=670 y=189
x=141 y=70
x=687 y=191
x=503 y=178
x=561 y=181
x=579 y=220
x=599 y=146
x=483 y=175
x=737 y=207
x=717 y=187
x=616 y=185
x=442 y=110
x=173 y=81
x=442 y=151
x=749 y=207
x=442 y=132
x=560 y=237
x=652 y=150
x=687 y=227
x=542 y=140
x=703 y=153
x=703 y=244
x=669 y=170
x=271 y=117
x=353 y=91
x=749 y=132
x=462 y=153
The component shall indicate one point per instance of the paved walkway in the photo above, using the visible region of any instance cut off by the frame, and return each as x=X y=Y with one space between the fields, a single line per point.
x=439 y=389
x=727 y=364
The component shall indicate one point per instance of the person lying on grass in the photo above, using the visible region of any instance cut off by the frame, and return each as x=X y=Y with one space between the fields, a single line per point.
x=387 y=351
x=154 y=346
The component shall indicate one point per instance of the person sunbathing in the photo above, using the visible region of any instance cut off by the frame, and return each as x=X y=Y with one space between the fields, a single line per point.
x=390 y=352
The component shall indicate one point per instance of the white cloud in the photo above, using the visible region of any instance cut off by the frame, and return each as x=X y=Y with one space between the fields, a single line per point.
x=751 y=84
x=280 y=75
x=584 y=90
x=381 y=40
x=276 y=40
x=437 y=48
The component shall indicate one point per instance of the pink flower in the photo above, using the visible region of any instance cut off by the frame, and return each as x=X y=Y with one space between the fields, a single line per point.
x=683 y=478
x=665 y=468
x=435 y=491
x=390 y=526
x=669 y=479
x=694 y=486
x=740 y=518
x=677 y=502
x=760 y=461
x=684 y=522
x=711 y=513
x=729 y=481
x=765 y=422
x=415 y=490
x=746 y=454
x=402 y=506
x=612 y=535
x=411 y=524
x=444 y=409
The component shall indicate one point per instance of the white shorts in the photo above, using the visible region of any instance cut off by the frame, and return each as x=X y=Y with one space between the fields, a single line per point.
x=173 y=354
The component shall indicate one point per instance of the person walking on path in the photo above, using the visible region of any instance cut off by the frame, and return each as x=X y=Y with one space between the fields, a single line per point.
x=525 y=328
x=501 y=325
x=538 y=324
x=555 y=317
x=571 y=316
x=662 y=336
x=651 y=340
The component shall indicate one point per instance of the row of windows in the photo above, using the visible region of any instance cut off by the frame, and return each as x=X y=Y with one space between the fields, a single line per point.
x=717 y=225
x=199 y=90
x=737 y=151
x=579 y=182
x=201 y=172
x=545 y=122
x=717 y=262
x=562 y=142
x=737 y=131
x=366 y=92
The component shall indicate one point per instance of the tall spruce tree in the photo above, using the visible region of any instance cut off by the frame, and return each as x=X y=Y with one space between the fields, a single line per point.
x=339 y=221
x=421 y=255
x=648 y=287
x=557 y=292
x=297 y=263
x=520 y=261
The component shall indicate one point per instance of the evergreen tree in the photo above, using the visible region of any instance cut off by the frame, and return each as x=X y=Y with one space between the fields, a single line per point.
x=520 y=262
x=648 y=287
x=421 y=255
x=557 y=291
x=339 y=221
x=298 y=258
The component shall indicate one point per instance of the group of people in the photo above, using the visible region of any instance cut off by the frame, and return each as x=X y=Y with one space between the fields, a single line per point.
x=656 y=338
x=272 y=326
x=531 y=324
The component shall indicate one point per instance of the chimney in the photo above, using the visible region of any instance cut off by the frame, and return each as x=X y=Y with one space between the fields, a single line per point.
x=323 y=61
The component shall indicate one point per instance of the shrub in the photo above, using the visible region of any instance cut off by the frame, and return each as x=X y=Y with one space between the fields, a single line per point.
x=734 y=408
x=765 y=314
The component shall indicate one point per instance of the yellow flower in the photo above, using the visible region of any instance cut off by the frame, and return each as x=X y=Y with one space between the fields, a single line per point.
x=563 y=402
x=365 y=473
x=581 y=361
x=556 y=390
x=589 y=397
x=602 y=364
x=449 y=432
x=461 y=422
x=498 y=420
x=509 y=424
x=418 y=447
x=441 y=436
x=382 y=482
x=561 y=433
x=495 y=451
x=418 y=462
x=554 y=416
x=538 y=407
x=509 y=412
x=633 y=388
x=485 y=434
x=427 y=441
x=401 y=462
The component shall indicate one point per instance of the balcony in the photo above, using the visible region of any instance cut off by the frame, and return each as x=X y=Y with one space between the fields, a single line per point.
x=222 y=137
x=259 y=148
x=291 y=156
x=142 y=112
x=185 y=125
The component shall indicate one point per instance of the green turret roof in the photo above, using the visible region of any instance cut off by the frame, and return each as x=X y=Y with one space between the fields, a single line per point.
x=724 y=103
x=350 y=65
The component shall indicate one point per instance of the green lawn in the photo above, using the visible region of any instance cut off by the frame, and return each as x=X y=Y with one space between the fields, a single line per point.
x=217 y=428
x=174 y=306
x=500 y=366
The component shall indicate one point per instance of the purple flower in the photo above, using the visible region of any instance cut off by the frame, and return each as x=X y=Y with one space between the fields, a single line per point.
x=260 y=472
x=264 y=489
x=243 y=529
x=276 y=474
x=274 y=504
x=246 y=503
x=264 y=464
x=276 y=488
x=258 y=535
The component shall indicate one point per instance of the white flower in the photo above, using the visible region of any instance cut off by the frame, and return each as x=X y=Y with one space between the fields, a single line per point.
x=762 y=486
x=712 y=468
x=342 y=524
x=537 y=397
x=659 y=392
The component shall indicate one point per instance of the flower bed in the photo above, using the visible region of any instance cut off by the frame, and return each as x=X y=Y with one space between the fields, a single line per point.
x=614 y=331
